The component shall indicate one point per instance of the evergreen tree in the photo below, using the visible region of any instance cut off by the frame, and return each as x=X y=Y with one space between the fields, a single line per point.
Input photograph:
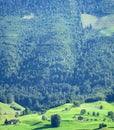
x=10 y=98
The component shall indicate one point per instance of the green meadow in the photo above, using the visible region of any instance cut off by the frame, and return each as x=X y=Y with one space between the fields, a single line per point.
x=108 y=31
x=69 y=117
x=104 y=24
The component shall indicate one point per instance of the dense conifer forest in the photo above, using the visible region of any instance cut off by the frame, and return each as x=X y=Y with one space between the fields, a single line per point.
x=47 y=56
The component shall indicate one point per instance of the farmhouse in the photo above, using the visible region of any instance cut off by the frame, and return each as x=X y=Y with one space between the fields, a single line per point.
x=11 y=122
x=80 y=118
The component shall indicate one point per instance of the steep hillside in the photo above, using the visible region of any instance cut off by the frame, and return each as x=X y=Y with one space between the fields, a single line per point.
x=48 y=58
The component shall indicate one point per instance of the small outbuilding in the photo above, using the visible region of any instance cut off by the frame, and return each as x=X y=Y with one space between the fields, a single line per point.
x=80 y=118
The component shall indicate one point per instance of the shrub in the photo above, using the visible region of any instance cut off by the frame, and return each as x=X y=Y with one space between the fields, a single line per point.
x=93 y=113
x=101 y=107
x=102 y=125
x=44 y=118
x=83 y=111
x=6 y=122
x=110 y=114
x=16 y=114
x=88 y=113
x=97 y=114
x=76 y=104
x=95 y=120
x=104 y=119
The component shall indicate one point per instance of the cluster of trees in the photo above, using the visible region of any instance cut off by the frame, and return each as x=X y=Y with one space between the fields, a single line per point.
x=52 y=53
x=19 y=112
x=83 y=111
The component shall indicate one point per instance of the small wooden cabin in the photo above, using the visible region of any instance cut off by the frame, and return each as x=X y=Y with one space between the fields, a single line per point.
x=80 y=118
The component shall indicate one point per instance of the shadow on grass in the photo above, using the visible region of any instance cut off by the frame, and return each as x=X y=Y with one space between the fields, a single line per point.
x=104 y=127
x=2 y=124
x=37 y=123
x=87 y=129
x=43 y=127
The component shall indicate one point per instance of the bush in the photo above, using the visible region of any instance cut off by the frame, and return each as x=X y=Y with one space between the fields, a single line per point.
x=88 y=113
x=44 y=118
x=101 y=107
x=6 y=122
x=16 y=114
x=95 y=120
x=102 y=125
x=83 y=111
x=110 y=114
x=76 y=104
x=55 y=120
x=97 y=114
x=93 y=114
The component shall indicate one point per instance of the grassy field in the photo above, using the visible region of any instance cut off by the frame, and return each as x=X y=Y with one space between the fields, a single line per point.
x=104 y=24
x=108 y=31
x=88 y=19
x=67 y=112
x=7 y=112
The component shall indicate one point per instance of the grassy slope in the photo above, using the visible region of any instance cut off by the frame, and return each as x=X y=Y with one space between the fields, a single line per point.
x=88 y=19
x=6 y=111
x=108 y=31
x=34 y=121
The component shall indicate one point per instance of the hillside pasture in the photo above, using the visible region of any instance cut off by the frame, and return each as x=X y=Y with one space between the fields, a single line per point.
x=69 y=118
x=104 y=24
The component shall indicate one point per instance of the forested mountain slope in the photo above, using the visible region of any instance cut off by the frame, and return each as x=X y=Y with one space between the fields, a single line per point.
x=48 y=58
